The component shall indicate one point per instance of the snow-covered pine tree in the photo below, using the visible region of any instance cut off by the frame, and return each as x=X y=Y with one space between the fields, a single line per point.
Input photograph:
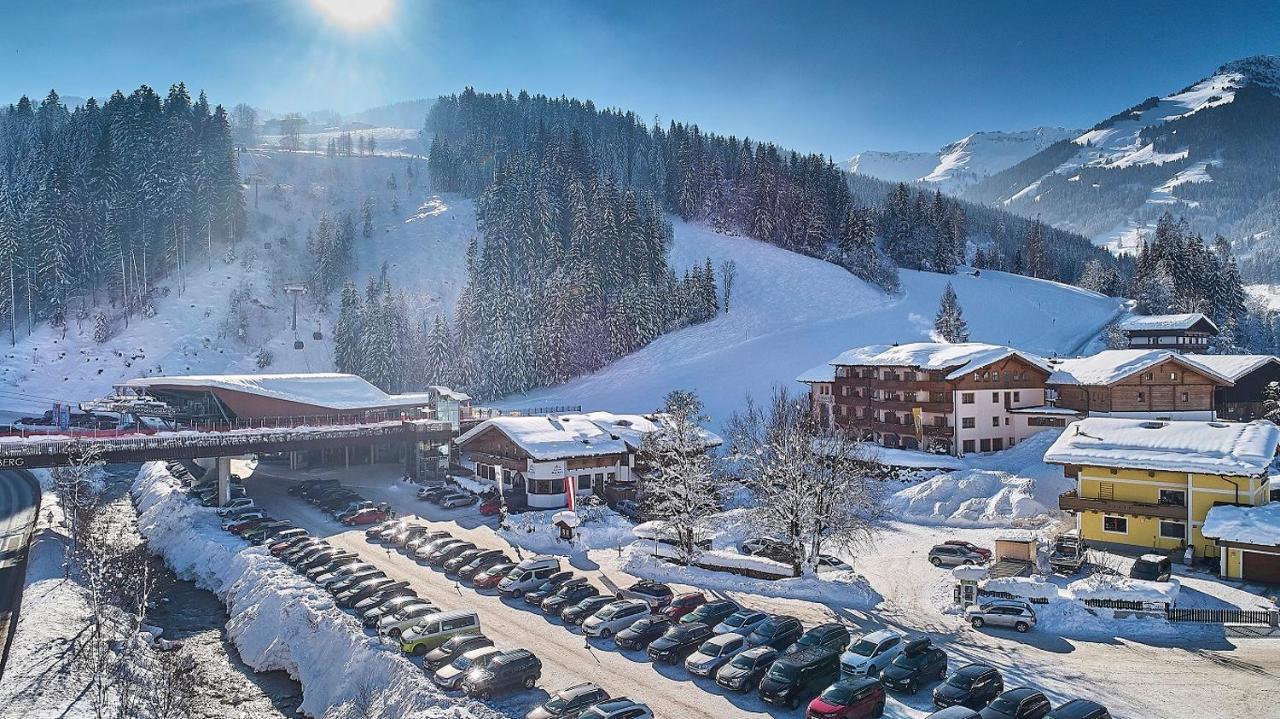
x=678 y=486
x=949 y=324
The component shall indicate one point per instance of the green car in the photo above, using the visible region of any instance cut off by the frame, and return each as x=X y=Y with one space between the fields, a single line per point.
x=436 y=629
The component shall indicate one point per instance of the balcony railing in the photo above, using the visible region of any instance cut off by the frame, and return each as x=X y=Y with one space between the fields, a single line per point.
x=1073 y=502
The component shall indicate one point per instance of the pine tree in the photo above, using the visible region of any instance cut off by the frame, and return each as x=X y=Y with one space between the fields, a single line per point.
x=949 y=324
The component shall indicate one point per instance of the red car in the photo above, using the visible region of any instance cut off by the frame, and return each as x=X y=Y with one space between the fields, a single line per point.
x=856 y=698
x=490 y=507
x=365 y=516
x=489 y=578
x=986 y=553
x=682 y=604
x=246 y=525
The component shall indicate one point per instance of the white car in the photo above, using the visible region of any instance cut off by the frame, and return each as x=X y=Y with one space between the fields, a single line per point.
x=450 y=676
x=743 y=621
x=618 y=708
x=869 y=655
x=614 y=617
x=237 y=518
x=233 y=505
x=393 y=625
x=715 y=653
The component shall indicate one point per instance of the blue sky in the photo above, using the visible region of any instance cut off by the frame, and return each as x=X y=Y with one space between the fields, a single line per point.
x=835 y=77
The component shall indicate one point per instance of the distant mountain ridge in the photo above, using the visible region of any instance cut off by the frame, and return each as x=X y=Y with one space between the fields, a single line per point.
x=962 y=163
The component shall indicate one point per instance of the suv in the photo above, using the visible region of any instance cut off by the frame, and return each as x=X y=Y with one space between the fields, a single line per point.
x=452 y=649
x=743 y=621
x=528 y=575
x=972 y=685
x=712 y=613
x=714 y=653
x=1152 y=568
x=505 y=672
x=682 y=604
x=678 y=642
x=919 y=662
x=832 y=635
x=411 y=616
x=1002 y=613
x=1020 y=703
x=568 y=594
x=778 y=631
x=952 y=555
x=743 y=673
x=641 y=632
x=570 y=702
x=871 y=654
x=451 y=675
x=614 y=617
x=799 y=675
x=658 y=595
x=619 y=708
x=1079 y=709
x=855 y=698
x=550 y=586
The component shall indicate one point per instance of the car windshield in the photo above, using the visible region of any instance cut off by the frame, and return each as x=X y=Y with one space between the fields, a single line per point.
x=960 y=681
x=913 y=661
x=1143 y=569
x=839 y=693
x=463 y=662
x=556 y=703
x=1006 y=705
x=516 y=574
x=737 y=619
x=608 y=612
x=743 y=661
x=783 y=671
x=863 y=648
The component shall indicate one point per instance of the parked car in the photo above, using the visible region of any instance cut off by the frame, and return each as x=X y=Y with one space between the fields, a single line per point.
x=491 y=506
x=614 y=616
x=871 y=654
x=413 y=545
x=461 y=560
x=528 y=575
x=640 y=633
x=457 y=499
x=970 y=547
x=743 y=621
x=353 y=507
x=832 y=635
x=233 y=505
x=448 y=551
x=287 y=540
x=619 y=708
x=305 y=487
x=426 y=549
x=768 y=548
x=1019 y=703
x=382 y=596
x=438 y=628
x=451 y=675
x=491 y=577
x=575 y=614
x=628 y=509
x=954 y=555
x=682 y=604
x=341 y=581
x=480 y=562
x=1002 y=613
x=511 y=670
x=795 y=677
x=658 y=595
x=712 y=613
x=678 y=642
x=918 y=663
x=853 y=698
x=569 y=703
x=1079 y=709
x=778 y=631
x=550 y=586
x=353 y=596
x=405 y=619
x=393 y=605
x=972 y=685
x=364 y=516
x=567 y=595
x=955 y=712
x=452 y=649
x=744 y=671
x=714 y=653
x=331 y=564
x=1152 y=568
x=262 y=532
x=375 y=531
x=235 y=518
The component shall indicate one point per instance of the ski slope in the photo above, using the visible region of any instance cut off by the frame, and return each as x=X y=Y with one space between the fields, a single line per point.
x=790 y=312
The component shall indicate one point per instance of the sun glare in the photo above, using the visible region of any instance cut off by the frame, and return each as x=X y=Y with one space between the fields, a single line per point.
x=354 y=14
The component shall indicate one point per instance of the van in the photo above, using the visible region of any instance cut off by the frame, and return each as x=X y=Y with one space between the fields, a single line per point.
x=800 y=675
x=436 y=629
x=1152 y=568
x=528 y=575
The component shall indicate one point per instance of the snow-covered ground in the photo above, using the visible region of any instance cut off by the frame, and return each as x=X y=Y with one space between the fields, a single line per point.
x=790 y=312
x=962 y=163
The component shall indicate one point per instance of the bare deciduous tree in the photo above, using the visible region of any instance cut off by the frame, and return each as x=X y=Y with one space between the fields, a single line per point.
x=678 y=486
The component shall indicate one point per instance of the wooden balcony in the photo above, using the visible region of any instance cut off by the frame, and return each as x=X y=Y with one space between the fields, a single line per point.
x=910 y=429
x=917 y=385
x=1072 y=502
x=906 y=406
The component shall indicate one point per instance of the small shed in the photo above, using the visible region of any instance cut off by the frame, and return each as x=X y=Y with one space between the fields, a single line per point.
x=1019 y=546
x=566 y=521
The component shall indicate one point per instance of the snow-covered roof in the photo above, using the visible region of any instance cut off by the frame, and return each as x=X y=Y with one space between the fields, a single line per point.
x=1247 y=525
x=324 y=389
x=1223 y=448
x=577 y=435
x=1148 y=323
x=1045 y=409
x=1111 y=366
x=824 y=372
x=449 y=393
x=1233 y=367
x=960 y=358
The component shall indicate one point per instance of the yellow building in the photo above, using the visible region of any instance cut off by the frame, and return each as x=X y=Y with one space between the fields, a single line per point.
x=1150 y=484
x=1249 y=538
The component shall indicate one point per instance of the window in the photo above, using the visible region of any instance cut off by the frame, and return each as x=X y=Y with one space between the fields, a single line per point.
x=995 y=376
x=1148 y=376
x=1006 y=421
x=1185 y=397
x=966 y=422
x=1173 y=497
x=966 y=398
x=1173 y=376
x=1017 y=396
x=995 y=421
x=1173 y=530
x=584 y=481
x=985 y=445
x=995 y=397
x=1141 y=397
x=968 y=446
x=1115 y=524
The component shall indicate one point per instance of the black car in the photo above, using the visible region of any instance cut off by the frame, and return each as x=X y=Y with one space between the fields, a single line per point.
x=778 y=631
x=367 y=589
x=642 y=632
x=566 y=595
x=798 y=676
x=919 y=662
x=319 y=559
x=549 y=587
x=452 y=566
x=678 y=642
x=382 y=596
x=310 y=486
x=330 y=566
x=1020 y=703
x=1080 y=709
x=832 y=635
x=744 y=671
x=576 y=614
x=481 y=562
x=972 y=685
x=444 y=554
x=508 y=671
x=711 y=613
x=453 y=648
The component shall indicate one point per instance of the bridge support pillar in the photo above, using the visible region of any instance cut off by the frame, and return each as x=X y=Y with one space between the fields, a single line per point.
x=224 y=480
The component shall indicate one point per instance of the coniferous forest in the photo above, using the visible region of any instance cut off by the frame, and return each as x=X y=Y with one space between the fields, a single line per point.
x=100 y=201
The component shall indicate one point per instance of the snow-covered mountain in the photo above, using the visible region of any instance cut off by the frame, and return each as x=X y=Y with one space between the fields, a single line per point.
x=1210 y=152
x=962 y=163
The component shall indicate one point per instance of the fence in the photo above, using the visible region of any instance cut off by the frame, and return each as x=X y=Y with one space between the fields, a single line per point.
x=1267 y=617
x=1006 y=595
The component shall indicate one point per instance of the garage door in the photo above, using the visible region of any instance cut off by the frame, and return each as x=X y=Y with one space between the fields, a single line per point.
x=1260 y=567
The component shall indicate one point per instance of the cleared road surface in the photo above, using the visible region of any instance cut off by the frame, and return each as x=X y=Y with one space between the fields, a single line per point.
x=19 y=503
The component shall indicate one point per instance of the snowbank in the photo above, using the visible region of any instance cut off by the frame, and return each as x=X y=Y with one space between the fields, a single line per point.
x=1112 y=587
x=598 y=528
x=971 y=498
x=1033 y=587
x=280 y=621
x=1249 y=525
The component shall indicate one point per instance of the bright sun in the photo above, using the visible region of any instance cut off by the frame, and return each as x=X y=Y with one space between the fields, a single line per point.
x=354 y=14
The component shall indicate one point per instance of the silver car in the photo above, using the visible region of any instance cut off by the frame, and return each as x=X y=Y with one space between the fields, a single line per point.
x=954 y=555
x=1002 y=613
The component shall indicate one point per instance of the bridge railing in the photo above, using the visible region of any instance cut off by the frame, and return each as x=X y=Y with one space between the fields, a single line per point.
x=224 y=425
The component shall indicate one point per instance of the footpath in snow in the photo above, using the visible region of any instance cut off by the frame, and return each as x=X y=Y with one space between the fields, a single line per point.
x=281 y=621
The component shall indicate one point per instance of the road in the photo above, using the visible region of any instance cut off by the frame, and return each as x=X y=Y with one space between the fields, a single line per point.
x=1136 y=678
x=19 y=505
